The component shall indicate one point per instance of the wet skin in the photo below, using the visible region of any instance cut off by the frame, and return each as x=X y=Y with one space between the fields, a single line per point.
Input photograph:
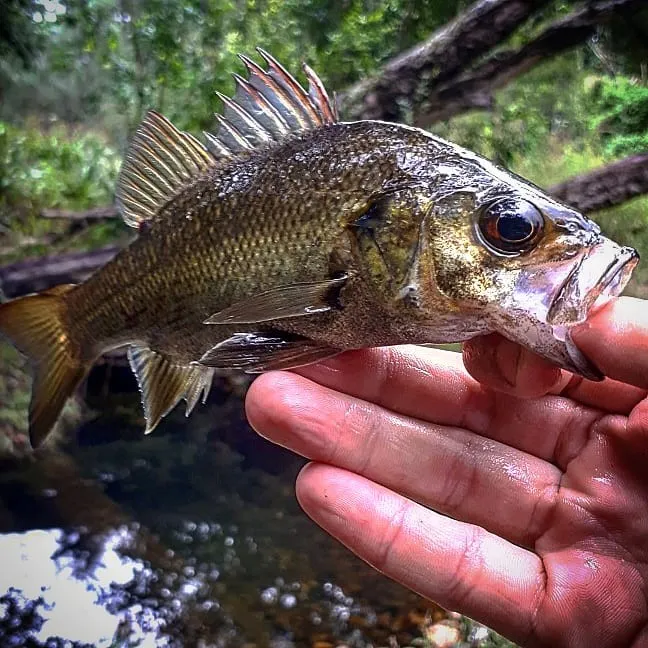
x=520 y=500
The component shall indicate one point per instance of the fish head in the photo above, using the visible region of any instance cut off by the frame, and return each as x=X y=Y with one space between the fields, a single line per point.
x=497 y=254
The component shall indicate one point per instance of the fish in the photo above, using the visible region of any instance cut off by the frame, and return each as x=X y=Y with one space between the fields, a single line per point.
x=290 y=236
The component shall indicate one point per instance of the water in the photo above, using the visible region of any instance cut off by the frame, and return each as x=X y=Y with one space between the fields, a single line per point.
x=189 y=537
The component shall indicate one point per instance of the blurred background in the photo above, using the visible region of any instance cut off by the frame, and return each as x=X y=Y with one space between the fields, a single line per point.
x=192 y=536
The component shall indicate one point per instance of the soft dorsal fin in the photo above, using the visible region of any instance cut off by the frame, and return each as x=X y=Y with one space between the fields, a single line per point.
x=160 y=160
x=267 y=106
x=163 y=383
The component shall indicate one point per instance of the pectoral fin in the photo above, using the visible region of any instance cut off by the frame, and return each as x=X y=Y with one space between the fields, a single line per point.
x=163 y=383
x=294 y=300
x=265 y=351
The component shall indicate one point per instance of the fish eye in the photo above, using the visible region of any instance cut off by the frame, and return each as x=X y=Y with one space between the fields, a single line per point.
x=511 y=226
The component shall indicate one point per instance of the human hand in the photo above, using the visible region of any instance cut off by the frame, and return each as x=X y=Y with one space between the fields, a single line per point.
x=520 y=500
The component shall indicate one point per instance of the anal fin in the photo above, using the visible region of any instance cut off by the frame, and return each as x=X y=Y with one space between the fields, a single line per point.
x=256 y=352
x=163 y=383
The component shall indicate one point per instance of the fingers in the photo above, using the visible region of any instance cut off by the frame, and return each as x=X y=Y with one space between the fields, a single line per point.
x=460 y=566
x=506 y=366
x=502 y=365
x=416 y=381
x=610 y=395
x=449 y=469
x=616 y=340
x=432 y=385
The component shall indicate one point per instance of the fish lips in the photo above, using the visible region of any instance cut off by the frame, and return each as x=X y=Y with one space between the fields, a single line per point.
x=601 y=274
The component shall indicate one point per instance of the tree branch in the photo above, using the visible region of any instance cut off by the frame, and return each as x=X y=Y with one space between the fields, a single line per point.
x=474 y=90
x=605 y=187
x=448 y=51
x=96 y=213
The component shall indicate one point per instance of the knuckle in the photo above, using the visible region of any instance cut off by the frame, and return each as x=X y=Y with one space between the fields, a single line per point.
x=460 y=480
x=384 y=369
x=390 y=536
x=356 y=436
x=467 y=572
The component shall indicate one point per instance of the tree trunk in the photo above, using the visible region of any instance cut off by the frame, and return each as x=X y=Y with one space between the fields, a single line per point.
x=34 y=275
x=405 y=79
x=474 y=89
x=96 y=213
x=443 y=76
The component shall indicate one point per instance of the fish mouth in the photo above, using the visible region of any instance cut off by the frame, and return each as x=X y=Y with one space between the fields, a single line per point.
x=600 y=275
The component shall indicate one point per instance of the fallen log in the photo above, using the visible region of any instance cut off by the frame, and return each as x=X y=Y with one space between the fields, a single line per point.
x=96 y=213
x=34 y=275
x=606 y=187
x=403 y=80
x=454 y=70
x=475 y=89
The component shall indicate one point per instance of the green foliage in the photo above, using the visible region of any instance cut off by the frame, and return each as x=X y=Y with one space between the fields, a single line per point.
x=628 y=224
x=622 y=114
x=55 y=168
x=561 y=160
x=110 y=63
x=549 y=102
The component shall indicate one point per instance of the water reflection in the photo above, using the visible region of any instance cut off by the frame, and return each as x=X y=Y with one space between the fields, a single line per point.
x=52 y=591
x=72 y=587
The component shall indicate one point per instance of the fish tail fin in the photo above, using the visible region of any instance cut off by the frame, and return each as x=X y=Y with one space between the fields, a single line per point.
x=38 y=327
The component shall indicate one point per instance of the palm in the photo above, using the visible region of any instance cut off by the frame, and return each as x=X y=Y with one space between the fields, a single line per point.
x=592 y=542
x=530 y=515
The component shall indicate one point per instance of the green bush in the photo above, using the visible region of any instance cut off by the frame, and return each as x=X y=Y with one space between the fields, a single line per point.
x=621 y=114
x=56 y=167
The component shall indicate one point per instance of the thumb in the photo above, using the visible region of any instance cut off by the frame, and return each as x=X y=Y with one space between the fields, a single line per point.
x=615 y=339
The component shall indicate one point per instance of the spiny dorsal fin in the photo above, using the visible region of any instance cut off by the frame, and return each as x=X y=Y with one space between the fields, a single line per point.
x=267 y=106
x=160 y=161
x=163 y=383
